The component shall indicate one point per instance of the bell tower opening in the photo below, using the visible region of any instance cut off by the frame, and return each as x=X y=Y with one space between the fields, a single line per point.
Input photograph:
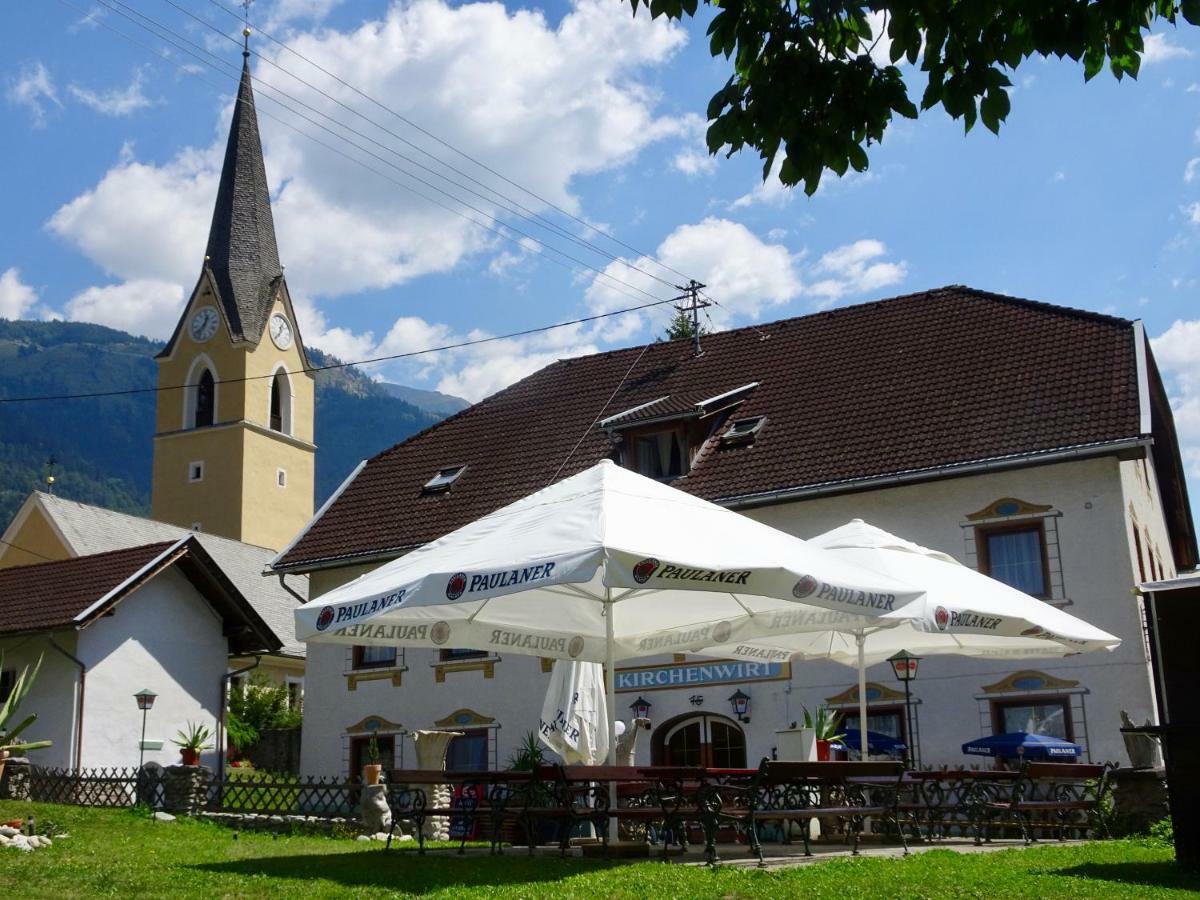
x=206 y=400
x=281 y=402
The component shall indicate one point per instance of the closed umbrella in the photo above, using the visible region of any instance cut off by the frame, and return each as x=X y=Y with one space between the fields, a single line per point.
x=962 y=612
x=574 y=722
x=602 y=566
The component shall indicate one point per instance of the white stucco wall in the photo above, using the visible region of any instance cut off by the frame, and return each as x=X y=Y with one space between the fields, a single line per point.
x=1090 y=499
x=164 y=637
x=53 y=697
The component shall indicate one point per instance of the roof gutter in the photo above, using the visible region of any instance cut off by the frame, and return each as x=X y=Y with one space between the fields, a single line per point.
x=988 y=465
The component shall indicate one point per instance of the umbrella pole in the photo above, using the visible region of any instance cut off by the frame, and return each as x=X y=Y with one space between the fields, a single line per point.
x=610 y=701
x=861 y=637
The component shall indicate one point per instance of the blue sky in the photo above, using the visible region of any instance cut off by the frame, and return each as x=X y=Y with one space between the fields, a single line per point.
x=1090 y=196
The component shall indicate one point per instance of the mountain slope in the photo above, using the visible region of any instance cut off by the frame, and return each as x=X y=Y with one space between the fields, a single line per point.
x=103 y=446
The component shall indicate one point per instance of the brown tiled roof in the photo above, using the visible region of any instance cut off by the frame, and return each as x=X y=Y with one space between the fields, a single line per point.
x=50 y=595
x=927 y=380
x=54 y=595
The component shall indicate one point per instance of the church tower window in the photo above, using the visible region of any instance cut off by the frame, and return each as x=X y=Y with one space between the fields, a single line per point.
x=281 y=403
x=206 y=400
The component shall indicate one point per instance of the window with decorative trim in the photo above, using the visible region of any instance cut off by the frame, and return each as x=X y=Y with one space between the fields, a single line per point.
x=1036 y=715
x=454 y=654
x=469 y=753
x=1038 y=702
x=1015 y=555
x=366 y=657
x=1017 y=542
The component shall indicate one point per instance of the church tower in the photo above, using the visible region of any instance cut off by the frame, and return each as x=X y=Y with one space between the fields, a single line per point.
x=233 y=443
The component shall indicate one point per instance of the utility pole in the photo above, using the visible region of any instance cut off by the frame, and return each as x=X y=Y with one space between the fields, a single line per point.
x=693 y=303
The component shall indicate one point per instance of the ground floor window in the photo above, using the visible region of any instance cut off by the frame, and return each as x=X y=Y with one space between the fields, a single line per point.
x=468 y=753
x=374 y=657
x=360 y=752
x=457 y=654
x=1041 y=715
x=887 y=720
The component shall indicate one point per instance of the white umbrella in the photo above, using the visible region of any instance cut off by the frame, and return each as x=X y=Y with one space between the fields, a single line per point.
x=574 y=721
x=963 y=612
x=602 y=566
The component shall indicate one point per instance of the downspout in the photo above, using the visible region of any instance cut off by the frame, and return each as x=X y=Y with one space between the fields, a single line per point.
x=283 y=584
x=225 y=679
x=79 y=703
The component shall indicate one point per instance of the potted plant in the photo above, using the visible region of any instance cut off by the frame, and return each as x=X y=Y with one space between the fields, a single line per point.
x=373 y=768
x=8 y=713
x=191 y=742
x=529 y=756
x=824 y=725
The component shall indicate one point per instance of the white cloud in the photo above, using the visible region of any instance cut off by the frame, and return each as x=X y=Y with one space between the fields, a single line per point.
x=773 y=192
x=543 y=103
x=283 y=12
x=856 y=268
x=1177 y=352
x=1192 y=170
x=694 y=159
x=1158 y=48
x=142 y=306
x=880 y=47
x=33 y=89
x=1192 y=211
x=16 y=297
x=115 y=101
x=1058 y=177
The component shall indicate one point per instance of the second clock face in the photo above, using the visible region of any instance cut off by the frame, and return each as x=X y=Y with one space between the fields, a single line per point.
x=204 y=323
x=281 y=331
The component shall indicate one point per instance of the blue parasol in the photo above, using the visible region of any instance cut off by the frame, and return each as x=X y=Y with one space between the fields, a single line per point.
x=1022 y=743
x=877 y=742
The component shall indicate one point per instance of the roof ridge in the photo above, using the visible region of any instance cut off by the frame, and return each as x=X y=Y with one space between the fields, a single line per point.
x=157 y=545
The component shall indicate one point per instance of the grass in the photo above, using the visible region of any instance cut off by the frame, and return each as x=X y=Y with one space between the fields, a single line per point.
x=121 y=853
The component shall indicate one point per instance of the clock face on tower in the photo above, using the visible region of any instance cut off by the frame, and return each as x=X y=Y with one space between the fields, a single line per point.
x=281 y=331
x=204 y=324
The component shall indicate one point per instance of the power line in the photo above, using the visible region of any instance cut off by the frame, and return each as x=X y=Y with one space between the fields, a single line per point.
x=221 y=6
x=342 y=365
x=172 y=34
x=521 y=210
x=27 y=550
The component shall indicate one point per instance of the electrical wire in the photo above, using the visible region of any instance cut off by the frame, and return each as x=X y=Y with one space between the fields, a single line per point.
x=27 y=550
x=240 y=18
x=170 y=34
x=342 y=365
x=521 y=210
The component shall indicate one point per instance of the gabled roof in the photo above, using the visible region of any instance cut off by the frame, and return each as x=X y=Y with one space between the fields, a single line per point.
x=912 y=386
x=90 y=530
x=73 y=593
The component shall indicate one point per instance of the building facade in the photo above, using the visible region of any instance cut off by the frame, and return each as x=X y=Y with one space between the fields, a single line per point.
x=1032 y=442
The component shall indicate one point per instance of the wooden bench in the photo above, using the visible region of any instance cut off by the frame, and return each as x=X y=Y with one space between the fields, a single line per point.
x=802 y=791
x=1055 y=797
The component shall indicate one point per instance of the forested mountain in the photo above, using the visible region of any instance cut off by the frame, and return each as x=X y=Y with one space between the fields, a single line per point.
x=103 y=446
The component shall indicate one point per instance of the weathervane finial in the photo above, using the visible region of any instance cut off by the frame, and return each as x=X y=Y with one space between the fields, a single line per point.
x=246 y=28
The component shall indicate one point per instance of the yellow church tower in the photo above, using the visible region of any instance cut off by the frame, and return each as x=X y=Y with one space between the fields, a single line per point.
x=233 y=443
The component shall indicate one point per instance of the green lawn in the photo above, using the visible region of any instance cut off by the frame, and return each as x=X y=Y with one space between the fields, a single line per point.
x=119 y=853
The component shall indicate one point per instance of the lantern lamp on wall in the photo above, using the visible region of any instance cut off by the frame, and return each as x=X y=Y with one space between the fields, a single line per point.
x=741 y=706
x=641 y=708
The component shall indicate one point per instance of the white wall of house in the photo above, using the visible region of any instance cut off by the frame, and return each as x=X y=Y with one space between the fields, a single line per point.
x=164 y=637
x=53 y=698
x=1092 y=574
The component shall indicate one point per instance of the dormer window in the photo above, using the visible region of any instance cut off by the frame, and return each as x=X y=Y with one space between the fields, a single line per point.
x=443 y=479
x=743 y=431
x=660 y=454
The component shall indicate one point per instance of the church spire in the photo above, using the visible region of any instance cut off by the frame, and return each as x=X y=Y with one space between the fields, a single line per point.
x=242 y=255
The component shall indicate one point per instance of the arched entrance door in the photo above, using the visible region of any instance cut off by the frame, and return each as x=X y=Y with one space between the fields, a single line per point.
x=699 y=740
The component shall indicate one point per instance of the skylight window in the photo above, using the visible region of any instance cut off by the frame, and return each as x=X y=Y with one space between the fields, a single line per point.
x=443 y=479
x=741 y=431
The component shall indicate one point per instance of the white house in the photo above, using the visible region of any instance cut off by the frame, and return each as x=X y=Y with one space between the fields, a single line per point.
x=161 y=616
x=1031 y=441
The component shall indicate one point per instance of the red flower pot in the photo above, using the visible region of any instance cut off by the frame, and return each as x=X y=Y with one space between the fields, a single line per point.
x=823 y=751
x=190 y=757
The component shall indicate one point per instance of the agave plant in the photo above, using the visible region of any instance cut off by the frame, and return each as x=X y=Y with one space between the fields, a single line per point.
x=824 y=723
x=8 y=713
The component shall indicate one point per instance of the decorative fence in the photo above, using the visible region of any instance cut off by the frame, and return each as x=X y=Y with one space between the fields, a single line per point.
x=285 y=795
x=96 y=787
